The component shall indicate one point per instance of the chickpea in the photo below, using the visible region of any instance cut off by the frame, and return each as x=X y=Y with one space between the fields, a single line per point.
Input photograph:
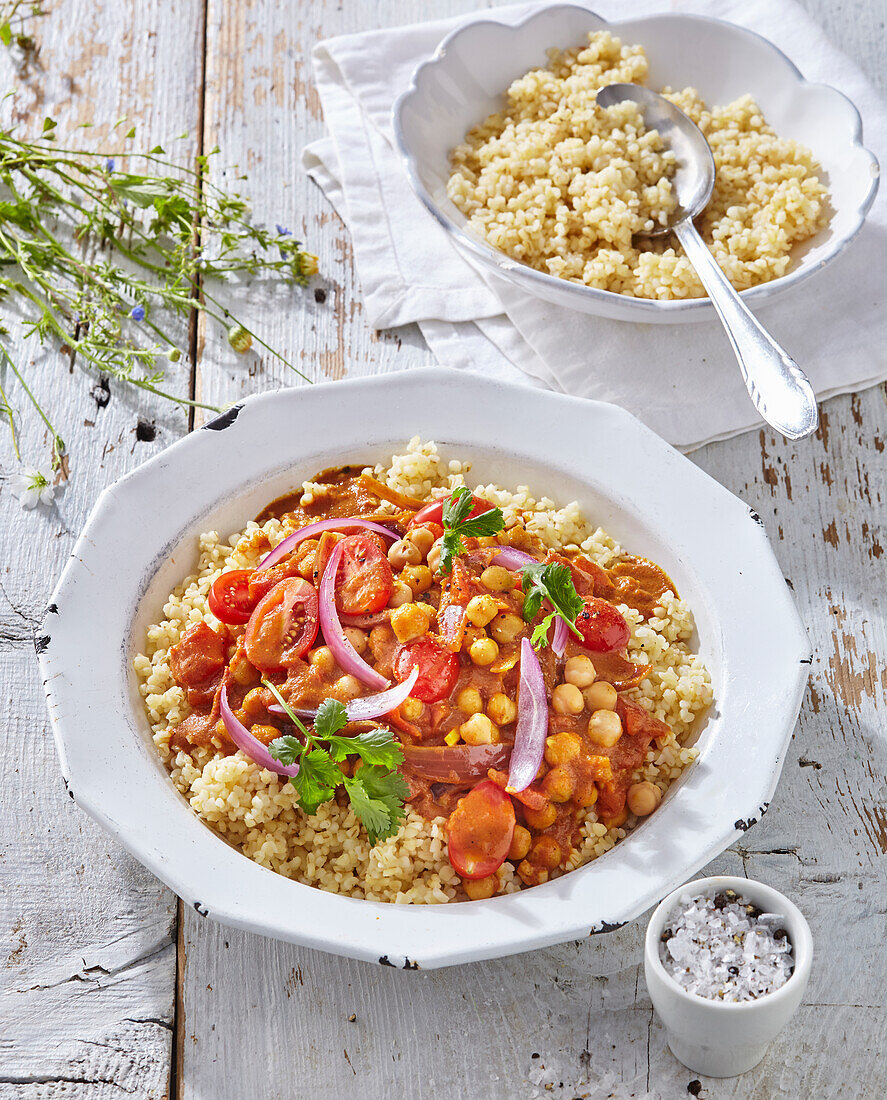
x=567 y=699
x=530 y=874
x=243 y=672
x=483 y=652
x=422 y=538
x=417 y=577
x=347 y=687
x=481 y=610
x=322 y=660
x=469 y=701
x=479 y=730
x=265 y=734
x=502 y=709
x=254 y=703
x=600 y=696
x=433 y=557
x=403 y=553
x=560 y=748
x=520 y=842
x=409 y=622
x=643 y=798
x=558 y=785
x=356 y=637
x=585 y=794
x=411 y=708
x=540 y=819
x=400 y=594
x=307 y=558
x=497 y=578
x=506 y=627
x=479 y=889
x=579 y=671
x=605 y=728
x=618 y=820
x=546 y=852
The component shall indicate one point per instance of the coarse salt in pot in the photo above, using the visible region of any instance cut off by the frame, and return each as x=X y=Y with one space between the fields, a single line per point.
x=707 y=1031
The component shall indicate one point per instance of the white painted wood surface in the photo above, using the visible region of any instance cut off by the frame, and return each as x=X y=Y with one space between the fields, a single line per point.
x=92 y=1003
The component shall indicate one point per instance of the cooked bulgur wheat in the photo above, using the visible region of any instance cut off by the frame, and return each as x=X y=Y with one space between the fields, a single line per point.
x=256 y=811
x=563 y=185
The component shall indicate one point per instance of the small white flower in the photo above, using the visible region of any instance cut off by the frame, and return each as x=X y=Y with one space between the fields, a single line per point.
x=32 y=487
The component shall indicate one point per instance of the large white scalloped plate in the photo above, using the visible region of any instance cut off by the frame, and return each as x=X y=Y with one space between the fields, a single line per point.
x=465 y=78
x=141 y=540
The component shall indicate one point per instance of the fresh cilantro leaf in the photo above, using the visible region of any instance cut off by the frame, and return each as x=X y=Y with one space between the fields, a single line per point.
x=457 y=526
x=375 y=747
x=377 y=798
x=330 y=718
x=552 y=582
x=317 y=780
x=288 y=750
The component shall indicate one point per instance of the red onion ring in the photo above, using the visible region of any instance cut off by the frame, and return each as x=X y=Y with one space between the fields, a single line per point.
x=334 y=634
x=559 y=638
x=368 y=706
x=249 y=745
x=455 y=763
x=532 y=722
x=344 y=524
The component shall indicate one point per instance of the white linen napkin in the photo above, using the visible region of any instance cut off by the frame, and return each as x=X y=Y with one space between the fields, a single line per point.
x=682 y=380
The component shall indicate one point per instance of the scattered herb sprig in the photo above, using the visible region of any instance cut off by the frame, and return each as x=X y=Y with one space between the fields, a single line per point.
x=458 y=526
x=376 y=791
x=98 y=258
x=552 y=582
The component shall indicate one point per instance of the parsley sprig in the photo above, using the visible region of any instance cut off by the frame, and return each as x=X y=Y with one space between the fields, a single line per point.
x=552 y=582
x=457 y=526
x=376 y=791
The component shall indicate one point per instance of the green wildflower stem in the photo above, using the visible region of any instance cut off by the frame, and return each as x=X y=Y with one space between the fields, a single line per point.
x=58 y=444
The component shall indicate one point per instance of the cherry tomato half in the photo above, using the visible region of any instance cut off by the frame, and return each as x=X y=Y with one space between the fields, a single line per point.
x=229 y=598
x=480 y=830
x=433 y=513
x=438 y=669
x=602 y=627
x=365 y=581
x=283 y=625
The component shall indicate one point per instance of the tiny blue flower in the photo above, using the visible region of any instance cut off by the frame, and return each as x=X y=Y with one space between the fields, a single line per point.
x=138 y=313
x=109 y=164
x=283 y=231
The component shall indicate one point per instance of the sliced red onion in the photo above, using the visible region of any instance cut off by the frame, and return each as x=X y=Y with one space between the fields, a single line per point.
x=559 y=638
x=251 y=746
x=532 y=722
x=364 y=622
x=513 y=559
x=455 y=763
x=333 y=632
x=343 y=524
x=368 y=706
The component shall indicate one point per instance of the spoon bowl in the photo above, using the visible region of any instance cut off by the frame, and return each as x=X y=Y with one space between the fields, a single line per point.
x=779 y=389
x=694 y=177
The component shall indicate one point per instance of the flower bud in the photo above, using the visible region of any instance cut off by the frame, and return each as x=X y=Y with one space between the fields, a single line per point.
x=239 y=338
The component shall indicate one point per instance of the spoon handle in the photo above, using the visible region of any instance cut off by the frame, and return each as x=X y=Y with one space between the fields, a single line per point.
x=779 y=389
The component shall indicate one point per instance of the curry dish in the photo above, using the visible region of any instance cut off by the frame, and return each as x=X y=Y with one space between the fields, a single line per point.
x=431 y=669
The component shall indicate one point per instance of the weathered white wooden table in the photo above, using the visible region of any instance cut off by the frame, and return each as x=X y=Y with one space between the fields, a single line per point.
x=109 y=987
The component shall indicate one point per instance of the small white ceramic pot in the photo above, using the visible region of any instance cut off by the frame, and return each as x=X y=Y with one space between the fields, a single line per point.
x=716 y=1038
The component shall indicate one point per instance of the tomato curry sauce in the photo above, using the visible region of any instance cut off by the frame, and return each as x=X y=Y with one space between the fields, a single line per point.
x=462 y=633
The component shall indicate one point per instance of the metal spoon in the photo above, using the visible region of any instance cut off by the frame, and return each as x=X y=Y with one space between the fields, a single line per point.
x=780 y=390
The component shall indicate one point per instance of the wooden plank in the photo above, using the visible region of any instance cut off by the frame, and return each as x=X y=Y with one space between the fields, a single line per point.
x=88 y=970
x=582 y=1008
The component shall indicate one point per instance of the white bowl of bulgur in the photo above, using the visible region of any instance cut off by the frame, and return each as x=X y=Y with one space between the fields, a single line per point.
x=225 y=834
x=504 y=144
